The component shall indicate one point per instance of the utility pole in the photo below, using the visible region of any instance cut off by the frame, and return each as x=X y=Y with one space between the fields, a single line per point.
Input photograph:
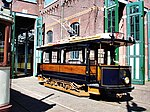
x=62 y=19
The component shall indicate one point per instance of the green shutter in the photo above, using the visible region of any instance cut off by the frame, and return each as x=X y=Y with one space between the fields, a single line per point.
x=37 y=42
x=135 y=29
x=39 y=31
x=111 y=10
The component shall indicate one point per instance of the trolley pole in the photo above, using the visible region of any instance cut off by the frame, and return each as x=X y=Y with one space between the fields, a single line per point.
x=62 y=20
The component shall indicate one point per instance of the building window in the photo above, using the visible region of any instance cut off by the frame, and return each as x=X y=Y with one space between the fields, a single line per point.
x=49 y=36
x=1 y=47
x=111 y=16
x=75 y=28
x=111 y=2
x=134 y=22
x=48 y=2
x=111 y=20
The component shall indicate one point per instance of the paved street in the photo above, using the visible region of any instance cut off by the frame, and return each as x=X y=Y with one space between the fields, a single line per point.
x=27 y=95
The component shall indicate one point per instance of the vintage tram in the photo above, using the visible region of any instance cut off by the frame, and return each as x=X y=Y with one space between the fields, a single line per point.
x=93 y=71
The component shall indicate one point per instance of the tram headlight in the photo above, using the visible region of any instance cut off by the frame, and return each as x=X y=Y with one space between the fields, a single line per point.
x=126 y=80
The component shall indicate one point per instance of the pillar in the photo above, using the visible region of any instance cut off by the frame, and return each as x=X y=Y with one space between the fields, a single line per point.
x=7 y=28
x=26 y=54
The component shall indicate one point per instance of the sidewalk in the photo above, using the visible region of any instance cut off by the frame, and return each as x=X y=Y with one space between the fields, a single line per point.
x=27 y=95
x=141 y=94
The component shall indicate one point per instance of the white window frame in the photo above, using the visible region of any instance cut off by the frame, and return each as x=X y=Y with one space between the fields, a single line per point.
x=45 y=5
x=30 y=1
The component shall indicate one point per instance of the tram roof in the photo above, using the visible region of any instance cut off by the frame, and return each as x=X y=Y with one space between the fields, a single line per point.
x=81 y=42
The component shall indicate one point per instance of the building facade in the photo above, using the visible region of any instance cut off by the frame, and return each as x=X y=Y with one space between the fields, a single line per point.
x=92 y=17
x=57 y=20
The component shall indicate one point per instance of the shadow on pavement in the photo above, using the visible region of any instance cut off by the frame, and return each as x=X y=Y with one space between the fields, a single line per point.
x=111 y=98
x=130 y=105
x=23 y=103
x=22 y=76
x=133 y=107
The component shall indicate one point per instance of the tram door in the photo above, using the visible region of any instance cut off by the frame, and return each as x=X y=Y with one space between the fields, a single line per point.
x=93 y=67
x=135 y=29
x=96 y=59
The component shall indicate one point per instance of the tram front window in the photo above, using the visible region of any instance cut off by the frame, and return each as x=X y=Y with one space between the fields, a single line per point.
x=112 y=55
x=107 y=56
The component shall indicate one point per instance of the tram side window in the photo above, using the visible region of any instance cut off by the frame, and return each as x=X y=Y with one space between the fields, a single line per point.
x=75 y=57
x=106 y=56
x=54 y=57
x=101 y=56
x=92 y=57
x=1 y=47
x=46 y=58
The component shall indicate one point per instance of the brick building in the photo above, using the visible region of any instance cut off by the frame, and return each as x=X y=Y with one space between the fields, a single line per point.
x=63 y=19
x=6 y=21
x=25 y=13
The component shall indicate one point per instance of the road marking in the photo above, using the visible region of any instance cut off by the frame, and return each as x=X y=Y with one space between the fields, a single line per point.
x=48 y=100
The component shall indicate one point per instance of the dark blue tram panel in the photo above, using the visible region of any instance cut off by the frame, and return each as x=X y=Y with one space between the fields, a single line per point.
x=113 y=80
x=115 y=76
x=116 y=79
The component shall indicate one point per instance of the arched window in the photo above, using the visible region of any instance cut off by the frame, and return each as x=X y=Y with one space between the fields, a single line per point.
x=75 y=29
x=49 y=36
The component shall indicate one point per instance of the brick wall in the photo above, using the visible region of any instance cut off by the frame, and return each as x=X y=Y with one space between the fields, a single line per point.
x=88 y=13
x=25 y=7
x=147 y=4
x=1 y=3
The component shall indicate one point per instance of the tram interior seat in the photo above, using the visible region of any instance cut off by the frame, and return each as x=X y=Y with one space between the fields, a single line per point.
x=74 y=61
x=92 y=62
